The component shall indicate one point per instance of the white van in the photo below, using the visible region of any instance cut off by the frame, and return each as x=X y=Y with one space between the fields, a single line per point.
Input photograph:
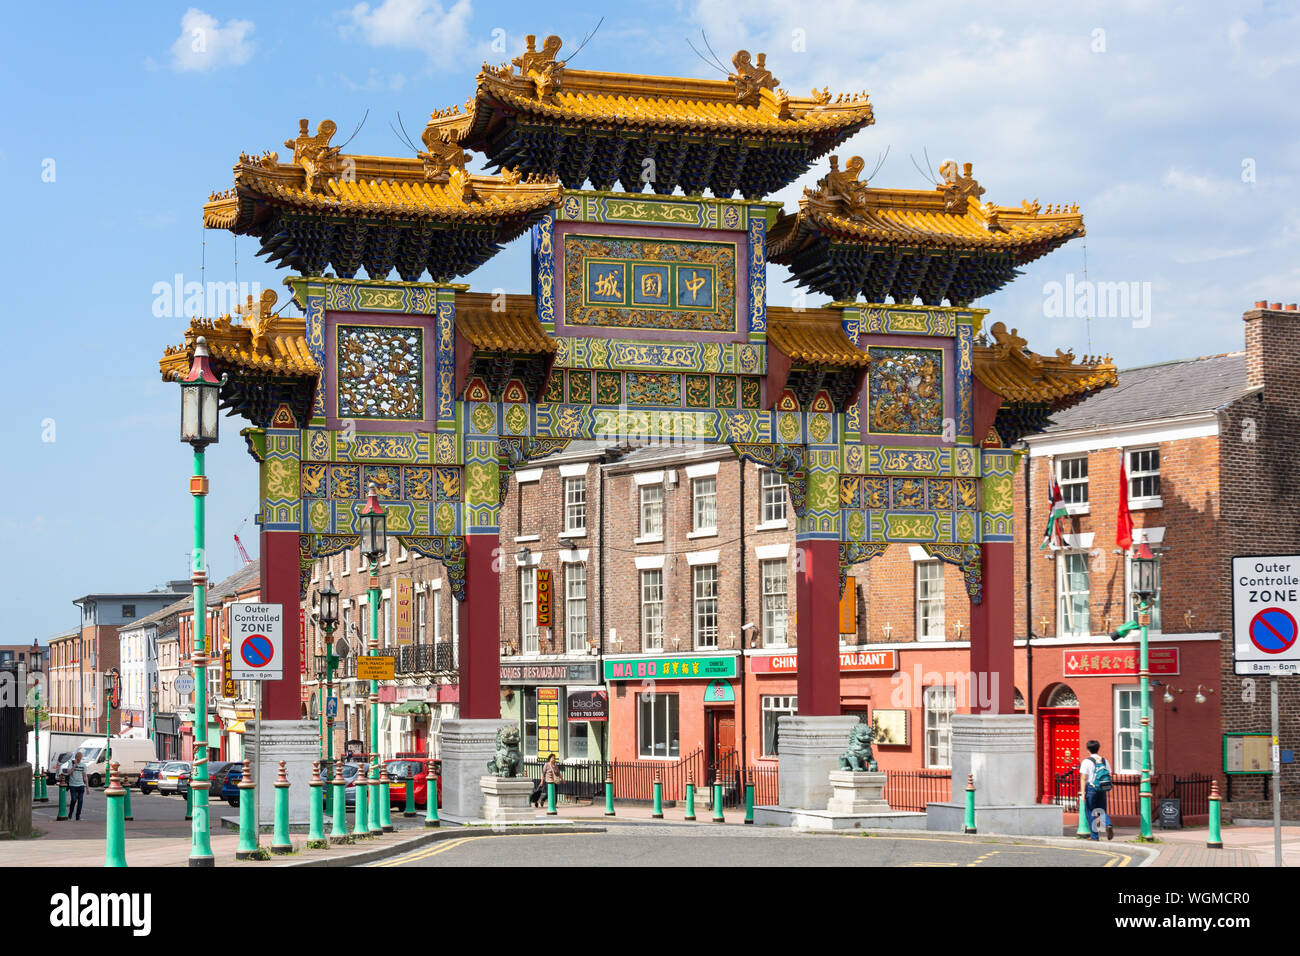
x=130 y=753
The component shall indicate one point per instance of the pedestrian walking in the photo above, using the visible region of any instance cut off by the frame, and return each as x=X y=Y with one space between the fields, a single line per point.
x=1094 y=777
x=76 y=786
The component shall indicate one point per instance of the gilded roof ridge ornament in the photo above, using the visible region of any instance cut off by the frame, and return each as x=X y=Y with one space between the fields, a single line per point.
x=541 y=66
x=440 y=154
x=314 y=154
x=751 y=78
x=843 y=188
x=958 y=188
x=258 y=317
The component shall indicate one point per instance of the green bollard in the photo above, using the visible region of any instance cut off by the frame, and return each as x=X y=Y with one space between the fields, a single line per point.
x=1083 y=831
x=376 y=818
x=431 y=798
x=115 y=840
x=409 y=809
x=248 y=844
x=550 y=799
x=690 y=796
x=385 y=800
x=126 y=800
x=280 y=842
x=609 y=791
x=339 y=827
x=970 y=804
x=717 y=800
x=361 y=789
x=315 y=806
x=1215 y=841
x=658 y=813
x=63 y=799
x=749 y=800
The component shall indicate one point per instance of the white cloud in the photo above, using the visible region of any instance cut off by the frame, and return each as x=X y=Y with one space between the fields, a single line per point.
x=206 y=45
x=423 y=25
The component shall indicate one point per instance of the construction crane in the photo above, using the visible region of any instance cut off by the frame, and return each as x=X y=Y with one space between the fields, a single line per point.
x=242 y=553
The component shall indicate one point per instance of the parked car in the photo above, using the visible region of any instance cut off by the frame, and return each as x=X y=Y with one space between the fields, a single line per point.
x=149 y=775
x=217 y=776
x=234 y=772
x=404 y=767
x=174 y=777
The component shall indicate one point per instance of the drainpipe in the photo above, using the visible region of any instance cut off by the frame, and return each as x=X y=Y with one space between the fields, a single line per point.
x=744 y=747
x=600 y=557
x=1029 y=593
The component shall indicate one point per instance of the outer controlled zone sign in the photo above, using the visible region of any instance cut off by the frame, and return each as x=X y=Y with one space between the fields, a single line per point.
x=257 y=641
x=1265 y=609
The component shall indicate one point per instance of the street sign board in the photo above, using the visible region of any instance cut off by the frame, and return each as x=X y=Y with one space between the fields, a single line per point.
x=185 y=684
x=1265 y=608
x=375 y=668
x=257 y=639
x=331 y=707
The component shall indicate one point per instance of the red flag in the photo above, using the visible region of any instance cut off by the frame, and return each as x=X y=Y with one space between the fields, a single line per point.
x=1123 y=520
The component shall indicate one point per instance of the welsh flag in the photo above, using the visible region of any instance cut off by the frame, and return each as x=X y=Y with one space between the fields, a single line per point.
x=1123 y=521
x=1056 y=514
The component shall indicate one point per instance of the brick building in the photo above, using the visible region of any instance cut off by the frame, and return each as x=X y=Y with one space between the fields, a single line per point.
x=63 y=673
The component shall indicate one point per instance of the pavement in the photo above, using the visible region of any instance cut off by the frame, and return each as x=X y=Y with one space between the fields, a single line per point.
x=160 y=836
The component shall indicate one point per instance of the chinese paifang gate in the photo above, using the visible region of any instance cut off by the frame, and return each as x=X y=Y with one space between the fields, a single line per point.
x=891 y=409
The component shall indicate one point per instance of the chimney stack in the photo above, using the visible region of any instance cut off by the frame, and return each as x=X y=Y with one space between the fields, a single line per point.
x=1273 y=349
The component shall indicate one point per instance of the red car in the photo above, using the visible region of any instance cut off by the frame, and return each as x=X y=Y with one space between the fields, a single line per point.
x=406 y=766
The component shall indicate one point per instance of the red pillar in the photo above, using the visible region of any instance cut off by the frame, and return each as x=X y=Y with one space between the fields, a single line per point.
x=280 y=584
x=480 y=629
x=817 y=600
x=992 y=634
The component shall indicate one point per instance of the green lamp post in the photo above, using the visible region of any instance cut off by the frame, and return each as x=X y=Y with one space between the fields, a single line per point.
x=200 y=389
x=327 y=607
x=1144 y=591
x=374 y=542
x=38 y=776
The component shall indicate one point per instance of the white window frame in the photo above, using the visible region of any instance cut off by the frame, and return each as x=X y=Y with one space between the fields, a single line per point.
x=575 y=640
x=774 y=707
x=773 y=497
x=421 y=615
x=436 y=609
x=652 y=608
x=1064 y=626
x=1138 y=502
x=938 y=723
x=575 y=505
x=346 y=568
x=646 y=509
x=704 y=616
x=528 y=630
x=775 y=620
x=1075 y=482
x=1120 y=754
x=667 y=722
x=704 y=505
x=930 y=606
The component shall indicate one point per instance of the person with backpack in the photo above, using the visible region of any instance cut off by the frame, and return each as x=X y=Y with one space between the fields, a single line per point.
x=1095 y=779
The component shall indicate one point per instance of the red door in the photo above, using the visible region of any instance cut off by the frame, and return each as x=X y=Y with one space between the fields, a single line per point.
x=1059 y=743
x=724 y=735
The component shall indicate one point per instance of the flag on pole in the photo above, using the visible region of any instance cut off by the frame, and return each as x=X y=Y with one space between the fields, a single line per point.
x=1123 y=521
x=1056 y=513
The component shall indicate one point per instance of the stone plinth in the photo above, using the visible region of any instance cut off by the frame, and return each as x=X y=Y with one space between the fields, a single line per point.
x=505 y=799
x=998 y=749
x=297 y=743
x=466 y=747
x=809 y=750
x=856 y=791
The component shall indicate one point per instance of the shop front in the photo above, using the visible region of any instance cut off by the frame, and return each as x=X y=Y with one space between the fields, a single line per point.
x=557 y=708
x=405 y=715
x=167 y=737
x=673 y=707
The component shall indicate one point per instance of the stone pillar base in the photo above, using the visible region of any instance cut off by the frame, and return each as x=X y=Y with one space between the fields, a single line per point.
x=809 y=750
x=505 y=799
x=857 y=792
x=467 y=746
x=297 y=743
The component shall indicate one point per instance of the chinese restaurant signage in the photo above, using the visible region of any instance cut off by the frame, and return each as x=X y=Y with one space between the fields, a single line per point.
x=1119 y=662
x=543 y=598
x=549 y=673
x=669 y=668
x=403 y=609
x=871 y=662
x=849 y=606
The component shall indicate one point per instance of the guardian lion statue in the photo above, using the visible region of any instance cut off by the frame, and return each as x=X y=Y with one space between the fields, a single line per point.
x=858 y=756
x=508 y=761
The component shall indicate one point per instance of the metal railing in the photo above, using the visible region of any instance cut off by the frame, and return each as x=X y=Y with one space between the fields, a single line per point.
x=1124 y=800
x=13 y=721
x=439 y=658
x=634 y=779
x=913 y=789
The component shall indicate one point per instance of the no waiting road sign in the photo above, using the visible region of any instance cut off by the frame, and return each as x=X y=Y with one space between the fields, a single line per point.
x=1265 y=606
x=257 y=639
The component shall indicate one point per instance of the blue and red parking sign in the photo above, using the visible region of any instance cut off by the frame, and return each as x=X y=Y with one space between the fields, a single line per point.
x=1265 y=606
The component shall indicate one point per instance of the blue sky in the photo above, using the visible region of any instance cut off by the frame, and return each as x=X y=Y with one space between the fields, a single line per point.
x=1173 y=125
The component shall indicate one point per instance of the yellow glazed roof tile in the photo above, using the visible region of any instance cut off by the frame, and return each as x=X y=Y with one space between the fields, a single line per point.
x=814 y=337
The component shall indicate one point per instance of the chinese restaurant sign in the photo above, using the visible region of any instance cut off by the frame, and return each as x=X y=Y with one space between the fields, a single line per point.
x=543 y=598
x=877 y=662
x=405 y=617
x=1119 y=662
x=667 y=668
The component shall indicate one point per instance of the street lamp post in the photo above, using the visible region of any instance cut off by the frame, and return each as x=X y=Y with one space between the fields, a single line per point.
x=374 y=542
x=1144 y=590
x=200 y=389
x=40 y=792
x=328 y=608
